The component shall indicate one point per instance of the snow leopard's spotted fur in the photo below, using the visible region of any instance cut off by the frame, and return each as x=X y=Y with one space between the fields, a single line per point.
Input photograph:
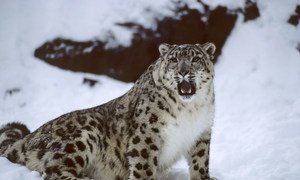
x=168 y=113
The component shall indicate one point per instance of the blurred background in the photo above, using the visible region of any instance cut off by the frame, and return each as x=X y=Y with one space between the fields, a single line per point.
x=58 y=56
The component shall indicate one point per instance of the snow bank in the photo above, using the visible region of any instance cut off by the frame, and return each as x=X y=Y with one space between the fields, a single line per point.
x=256 y=135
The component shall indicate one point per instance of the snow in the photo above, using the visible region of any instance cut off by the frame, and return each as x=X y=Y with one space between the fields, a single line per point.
x=256 y=133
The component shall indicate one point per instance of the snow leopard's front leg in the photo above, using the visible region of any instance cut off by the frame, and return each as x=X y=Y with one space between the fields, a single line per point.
x=198 y=158
x=143 y=151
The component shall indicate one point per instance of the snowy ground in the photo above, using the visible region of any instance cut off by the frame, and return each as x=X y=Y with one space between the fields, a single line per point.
x=256 y=132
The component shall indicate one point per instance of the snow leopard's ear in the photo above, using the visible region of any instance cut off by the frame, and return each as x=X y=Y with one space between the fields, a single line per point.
x=164 y=48
x=208 y=47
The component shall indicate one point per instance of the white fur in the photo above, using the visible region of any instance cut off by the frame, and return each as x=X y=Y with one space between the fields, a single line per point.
x=187 y=98
x=182 y=133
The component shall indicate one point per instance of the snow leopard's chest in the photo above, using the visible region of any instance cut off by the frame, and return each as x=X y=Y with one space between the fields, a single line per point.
x=182 y=133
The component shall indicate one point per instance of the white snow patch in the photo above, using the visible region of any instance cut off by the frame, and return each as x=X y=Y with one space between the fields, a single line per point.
x=256 y=134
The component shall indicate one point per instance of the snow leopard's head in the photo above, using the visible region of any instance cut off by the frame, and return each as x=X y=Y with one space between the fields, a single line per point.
x=186 y=68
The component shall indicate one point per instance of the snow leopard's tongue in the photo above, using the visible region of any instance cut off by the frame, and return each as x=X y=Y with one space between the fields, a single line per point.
x=186 y=88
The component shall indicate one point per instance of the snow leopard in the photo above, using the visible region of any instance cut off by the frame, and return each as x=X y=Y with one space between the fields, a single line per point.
x=166 y=115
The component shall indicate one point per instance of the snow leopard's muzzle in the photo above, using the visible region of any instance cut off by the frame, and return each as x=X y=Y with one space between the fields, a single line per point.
x=186 y=88
x=186 y=85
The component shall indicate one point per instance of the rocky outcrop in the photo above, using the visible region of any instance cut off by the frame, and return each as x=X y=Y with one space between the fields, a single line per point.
x=295 y=17
x=127 y=63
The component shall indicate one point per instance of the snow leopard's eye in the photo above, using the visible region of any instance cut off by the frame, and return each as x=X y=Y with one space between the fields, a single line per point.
x=196 y=59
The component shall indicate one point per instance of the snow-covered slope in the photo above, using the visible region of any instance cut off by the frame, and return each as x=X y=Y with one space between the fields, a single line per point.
x=256 y=132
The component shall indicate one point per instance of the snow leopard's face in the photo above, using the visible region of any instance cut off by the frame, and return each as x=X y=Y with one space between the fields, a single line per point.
x=186 y=68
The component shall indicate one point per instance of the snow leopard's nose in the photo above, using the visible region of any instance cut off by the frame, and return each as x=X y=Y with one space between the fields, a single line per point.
x=183 y=72
x=184 y=69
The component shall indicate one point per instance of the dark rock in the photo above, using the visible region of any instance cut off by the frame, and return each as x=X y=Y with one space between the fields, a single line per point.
x=128 y=63
x=251 y=11
x=12 y=91
x=298 y=10
x=295 y=18
x=90 y=82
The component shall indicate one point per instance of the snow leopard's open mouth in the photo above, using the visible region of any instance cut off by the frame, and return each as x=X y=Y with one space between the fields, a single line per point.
x=186 y=88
